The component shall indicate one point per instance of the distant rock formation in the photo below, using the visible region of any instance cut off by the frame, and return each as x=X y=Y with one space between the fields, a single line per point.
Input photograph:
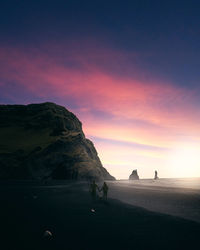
x=134 y=175
x=46 y=141
x=156 y=175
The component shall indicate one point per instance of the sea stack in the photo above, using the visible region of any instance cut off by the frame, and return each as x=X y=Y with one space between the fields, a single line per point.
x=156 y=175
x=134 y=175
x=46 y=141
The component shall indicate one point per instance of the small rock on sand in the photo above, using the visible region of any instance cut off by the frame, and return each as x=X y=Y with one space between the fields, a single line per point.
x=48 y=235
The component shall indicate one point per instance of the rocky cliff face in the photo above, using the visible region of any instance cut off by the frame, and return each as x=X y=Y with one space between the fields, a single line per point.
x=45 y=141
x=134 y=175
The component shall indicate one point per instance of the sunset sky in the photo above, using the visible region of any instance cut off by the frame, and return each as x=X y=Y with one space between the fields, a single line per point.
x=129 y=70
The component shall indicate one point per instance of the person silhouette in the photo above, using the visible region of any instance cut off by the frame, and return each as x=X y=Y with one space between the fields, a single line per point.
x=93 y=190
x=105 y=191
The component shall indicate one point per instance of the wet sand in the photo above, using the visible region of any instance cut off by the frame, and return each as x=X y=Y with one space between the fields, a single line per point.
x=27 y=211
x=178 y=197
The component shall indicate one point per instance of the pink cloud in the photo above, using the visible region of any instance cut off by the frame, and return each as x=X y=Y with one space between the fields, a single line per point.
x=82 y=75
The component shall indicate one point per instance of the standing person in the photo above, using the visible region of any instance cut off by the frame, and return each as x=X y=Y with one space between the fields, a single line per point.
x=93 y=190
x=105 y=191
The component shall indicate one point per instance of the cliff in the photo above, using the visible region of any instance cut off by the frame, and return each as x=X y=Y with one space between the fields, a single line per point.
x=46 y=141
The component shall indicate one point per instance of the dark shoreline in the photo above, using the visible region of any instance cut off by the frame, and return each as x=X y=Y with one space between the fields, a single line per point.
x=26 y=212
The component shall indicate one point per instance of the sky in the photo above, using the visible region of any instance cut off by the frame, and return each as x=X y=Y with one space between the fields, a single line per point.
x=129 y=70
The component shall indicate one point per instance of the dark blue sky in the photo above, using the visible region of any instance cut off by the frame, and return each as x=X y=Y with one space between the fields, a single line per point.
x=165 y=33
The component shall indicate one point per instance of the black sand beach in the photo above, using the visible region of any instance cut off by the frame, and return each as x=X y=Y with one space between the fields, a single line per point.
x=28 y=210
x=177 y=197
